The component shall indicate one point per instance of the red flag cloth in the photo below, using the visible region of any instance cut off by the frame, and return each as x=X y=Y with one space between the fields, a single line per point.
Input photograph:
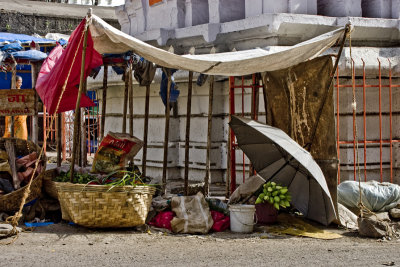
x=55 y=70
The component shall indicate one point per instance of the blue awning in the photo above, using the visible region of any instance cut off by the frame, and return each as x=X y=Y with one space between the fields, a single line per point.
x=23 y=38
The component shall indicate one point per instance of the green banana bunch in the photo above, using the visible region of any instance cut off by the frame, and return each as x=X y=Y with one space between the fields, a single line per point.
x=277 y=195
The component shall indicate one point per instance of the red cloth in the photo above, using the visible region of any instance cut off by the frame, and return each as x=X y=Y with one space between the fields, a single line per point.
x=163 y=220
x=55 y=70
x=221 y=222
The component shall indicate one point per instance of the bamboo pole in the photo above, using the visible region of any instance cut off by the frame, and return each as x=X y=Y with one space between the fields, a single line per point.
x=166 y=134
x=83 y=152
x=125 y=111
x=130 y=101
x=78 y=102
x=146 y=129
x=13 y=86
x=103 y=106
x=207 y=178
x=187 y=138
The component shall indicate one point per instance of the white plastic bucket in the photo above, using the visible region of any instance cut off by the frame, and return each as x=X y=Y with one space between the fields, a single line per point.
x=242 y=218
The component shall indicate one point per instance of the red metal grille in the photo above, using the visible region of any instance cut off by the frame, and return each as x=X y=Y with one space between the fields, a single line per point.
x=383 y=85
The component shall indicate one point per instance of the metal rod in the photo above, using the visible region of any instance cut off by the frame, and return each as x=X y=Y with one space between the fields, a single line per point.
x=353 y=78
x=365 y=123
x=78 y=102
x=337 y=122
x=390 y=121
x=232 y=135
x=35 y=126
x=187 y=136
x=130 y=100
x=380 y=121
x=166 y=134
x=207 y=178
x=44 y=128
x=103 y=106
x=146 y=129
x=59 y=138
x=125 y=111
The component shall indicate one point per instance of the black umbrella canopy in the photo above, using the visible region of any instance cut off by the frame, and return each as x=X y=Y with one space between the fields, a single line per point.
x=276 y=157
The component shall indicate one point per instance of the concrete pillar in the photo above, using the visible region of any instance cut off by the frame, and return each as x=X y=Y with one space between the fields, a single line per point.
x=302 y=7
x=226 y=10
x=196 y=12
x=271 y=6
x=339 y=8
x=395 y=9
x=377 y=8
x=253 y=8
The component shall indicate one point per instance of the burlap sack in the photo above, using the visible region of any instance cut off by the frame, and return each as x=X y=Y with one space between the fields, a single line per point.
x=192 y=215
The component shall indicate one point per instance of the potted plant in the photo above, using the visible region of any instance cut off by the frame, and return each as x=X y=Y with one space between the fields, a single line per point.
x=270 y=200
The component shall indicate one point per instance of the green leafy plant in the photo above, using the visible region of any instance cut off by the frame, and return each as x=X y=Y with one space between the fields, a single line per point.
x=277 y=195
x=79 y=178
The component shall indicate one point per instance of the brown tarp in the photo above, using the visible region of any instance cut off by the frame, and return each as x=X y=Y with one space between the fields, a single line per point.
x=294 y=98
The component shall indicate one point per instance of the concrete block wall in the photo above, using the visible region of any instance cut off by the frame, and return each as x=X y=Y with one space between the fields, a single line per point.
x=377 y=8
x=258 y=7
x=226 y=10
x=340 y=8
x=196 y=12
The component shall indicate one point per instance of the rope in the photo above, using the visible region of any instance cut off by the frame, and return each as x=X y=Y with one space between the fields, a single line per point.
x=13 y=220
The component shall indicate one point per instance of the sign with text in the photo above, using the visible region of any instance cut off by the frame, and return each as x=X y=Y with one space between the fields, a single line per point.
x=17 y=102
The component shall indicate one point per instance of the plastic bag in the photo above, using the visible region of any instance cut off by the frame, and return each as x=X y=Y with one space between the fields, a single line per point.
x=375 y=196
x=163 y=220
x=192 y=215
x=114 y=152
x=221 y=222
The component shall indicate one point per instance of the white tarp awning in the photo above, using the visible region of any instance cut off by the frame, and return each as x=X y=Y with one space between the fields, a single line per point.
x=108 y=39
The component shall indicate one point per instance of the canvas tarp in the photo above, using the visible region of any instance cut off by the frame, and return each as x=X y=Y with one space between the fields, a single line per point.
x=108 y=39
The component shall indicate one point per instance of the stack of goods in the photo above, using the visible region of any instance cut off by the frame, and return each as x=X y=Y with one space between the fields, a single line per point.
x=16 y=169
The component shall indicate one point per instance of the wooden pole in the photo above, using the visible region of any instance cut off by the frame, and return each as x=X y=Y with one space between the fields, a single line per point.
x=130 y=100
x=146 y=129
x=166 y=134
x=35 y=125
x=103 y=106
x=125 y=111
x=83 y=157
x=267 y=115
x=13 y=86
x=187 y=138
x=78 y=102
x=59 y=136
x=207 y=178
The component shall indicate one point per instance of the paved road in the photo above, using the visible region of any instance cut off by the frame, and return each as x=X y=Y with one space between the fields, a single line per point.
x=65 y=245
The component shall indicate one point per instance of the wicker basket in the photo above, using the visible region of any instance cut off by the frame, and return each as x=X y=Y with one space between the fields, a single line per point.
x=12 y=201
x=99 y=207
x=49 y=187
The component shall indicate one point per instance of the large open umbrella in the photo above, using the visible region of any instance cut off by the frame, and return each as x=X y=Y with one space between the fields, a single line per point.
x=276 y=157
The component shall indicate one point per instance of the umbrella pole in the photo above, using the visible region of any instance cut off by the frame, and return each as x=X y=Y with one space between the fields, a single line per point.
x=103 y=106
x=207 y=179
x=166 y=134
x=188 y=115
x=328 y=90
x=78 y=101
x=146 y=129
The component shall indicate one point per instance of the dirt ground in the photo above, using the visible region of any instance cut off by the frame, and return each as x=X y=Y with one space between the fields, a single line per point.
x=71 y=245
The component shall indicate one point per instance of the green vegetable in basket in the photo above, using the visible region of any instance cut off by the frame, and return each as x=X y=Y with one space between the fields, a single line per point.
x=277 y=195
